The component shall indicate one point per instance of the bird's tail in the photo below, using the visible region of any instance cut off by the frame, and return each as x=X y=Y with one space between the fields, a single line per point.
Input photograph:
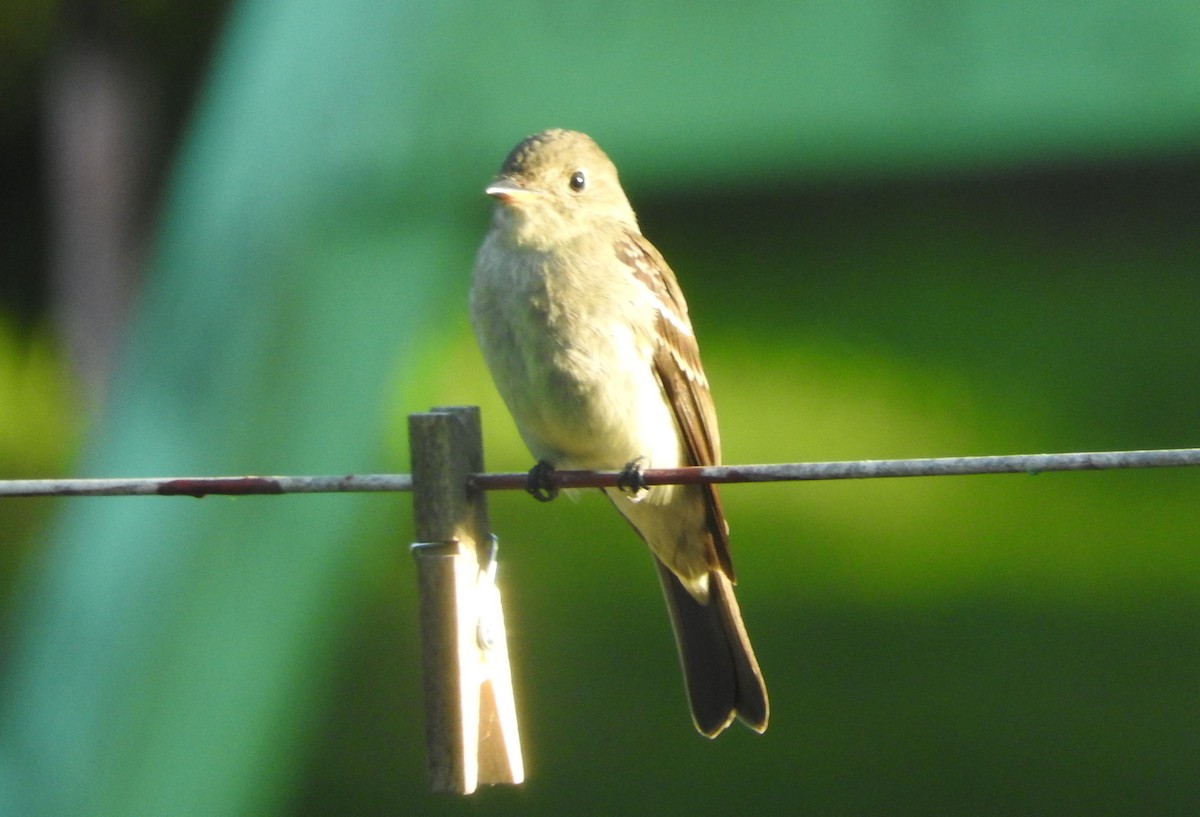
x=719 y=668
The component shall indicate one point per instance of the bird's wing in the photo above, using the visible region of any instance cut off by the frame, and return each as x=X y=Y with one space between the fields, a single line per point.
x=679 y=371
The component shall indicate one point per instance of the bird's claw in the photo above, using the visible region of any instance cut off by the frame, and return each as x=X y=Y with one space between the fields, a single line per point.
x=631 y=480
x=538 y=483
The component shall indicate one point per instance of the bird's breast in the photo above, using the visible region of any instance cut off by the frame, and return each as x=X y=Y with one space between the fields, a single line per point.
x=571 y=354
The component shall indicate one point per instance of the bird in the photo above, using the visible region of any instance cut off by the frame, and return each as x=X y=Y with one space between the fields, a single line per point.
x=587 y=336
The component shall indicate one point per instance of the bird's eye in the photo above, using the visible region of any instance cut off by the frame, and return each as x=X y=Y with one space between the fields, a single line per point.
x=578 y=181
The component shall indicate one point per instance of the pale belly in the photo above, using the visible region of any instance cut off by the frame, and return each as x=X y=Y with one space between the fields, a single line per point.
x=598 y=406
x=583 y=393
x=572 y=359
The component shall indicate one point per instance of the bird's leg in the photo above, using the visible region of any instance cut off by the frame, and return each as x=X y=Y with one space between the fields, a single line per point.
x=631 y=479
x=539 y=484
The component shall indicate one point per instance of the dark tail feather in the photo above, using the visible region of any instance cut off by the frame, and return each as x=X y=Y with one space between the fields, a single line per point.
x=719 y=668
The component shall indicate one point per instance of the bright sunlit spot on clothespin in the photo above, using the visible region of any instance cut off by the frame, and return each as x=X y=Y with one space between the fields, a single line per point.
x=471 y=717
x=499 y=750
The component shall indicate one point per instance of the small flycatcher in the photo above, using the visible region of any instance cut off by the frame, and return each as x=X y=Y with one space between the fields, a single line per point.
x=588 y=339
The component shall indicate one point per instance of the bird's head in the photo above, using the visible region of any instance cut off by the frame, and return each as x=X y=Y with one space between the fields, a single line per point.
x=558 y=180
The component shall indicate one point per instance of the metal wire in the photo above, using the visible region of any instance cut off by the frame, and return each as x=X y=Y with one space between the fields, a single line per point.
x=783 y=472
x=863 y=469
x=206 y=486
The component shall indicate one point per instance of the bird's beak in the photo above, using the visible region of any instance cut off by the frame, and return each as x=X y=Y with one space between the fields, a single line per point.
x=509 y=192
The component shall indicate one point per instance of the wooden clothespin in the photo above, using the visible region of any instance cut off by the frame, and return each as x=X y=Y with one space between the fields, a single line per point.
x=471 y=732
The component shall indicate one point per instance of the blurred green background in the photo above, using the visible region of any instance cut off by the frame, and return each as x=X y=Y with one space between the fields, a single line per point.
x=238 y=238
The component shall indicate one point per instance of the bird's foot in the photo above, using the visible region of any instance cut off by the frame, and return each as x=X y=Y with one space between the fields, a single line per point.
x=632 y=480
x=539 y=484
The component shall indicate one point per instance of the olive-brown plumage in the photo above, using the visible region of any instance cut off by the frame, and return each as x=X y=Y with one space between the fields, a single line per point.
x=588 y=339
